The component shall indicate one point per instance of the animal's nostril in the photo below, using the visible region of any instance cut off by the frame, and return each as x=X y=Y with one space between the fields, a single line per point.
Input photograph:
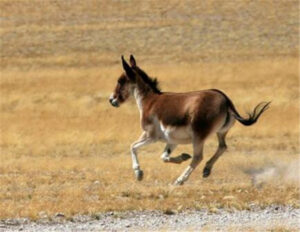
x=110 y=100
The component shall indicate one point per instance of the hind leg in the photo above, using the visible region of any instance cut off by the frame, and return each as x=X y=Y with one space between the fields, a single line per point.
x=221 y=149
x=178 y=159
x=197 y=157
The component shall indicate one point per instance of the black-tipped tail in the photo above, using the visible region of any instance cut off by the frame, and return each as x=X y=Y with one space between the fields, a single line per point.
x=252 y=117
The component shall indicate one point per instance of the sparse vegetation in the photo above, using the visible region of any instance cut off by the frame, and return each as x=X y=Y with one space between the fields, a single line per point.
x=65 y=149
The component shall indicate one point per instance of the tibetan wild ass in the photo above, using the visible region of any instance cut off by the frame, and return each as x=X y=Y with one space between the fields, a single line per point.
x=178 y=118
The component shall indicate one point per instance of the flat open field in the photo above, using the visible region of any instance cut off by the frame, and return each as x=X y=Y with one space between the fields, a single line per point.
x=65 y=149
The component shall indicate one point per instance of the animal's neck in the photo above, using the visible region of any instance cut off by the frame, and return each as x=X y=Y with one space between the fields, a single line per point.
x=141 y=93
x=138 y=98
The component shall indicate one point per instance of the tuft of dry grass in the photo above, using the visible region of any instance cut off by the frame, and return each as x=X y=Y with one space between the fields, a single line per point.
x=65 y=149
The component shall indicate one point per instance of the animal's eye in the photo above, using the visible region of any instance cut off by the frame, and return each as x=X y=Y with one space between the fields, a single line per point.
x=121 y=81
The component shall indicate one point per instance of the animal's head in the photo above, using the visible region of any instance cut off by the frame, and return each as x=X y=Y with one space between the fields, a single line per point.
x=125 y=83
x=132 y=77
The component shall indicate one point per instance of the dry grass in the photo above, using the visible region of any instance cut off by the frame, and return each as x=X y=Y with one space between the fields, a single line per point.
x=65 y=149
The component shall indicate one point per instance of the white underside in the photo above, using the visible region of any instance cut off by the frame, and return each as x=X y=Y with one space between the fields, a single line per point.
x=175 y=134
x=172 y=134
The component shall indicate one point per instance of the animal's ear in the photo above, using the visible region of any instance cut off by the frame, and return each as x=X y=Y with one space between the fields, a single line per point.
x=132 y=61
x=128 y=70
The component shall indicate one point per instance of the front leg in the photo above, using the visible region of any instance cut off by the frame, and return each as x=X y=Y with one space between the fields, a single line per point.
x=142 y=141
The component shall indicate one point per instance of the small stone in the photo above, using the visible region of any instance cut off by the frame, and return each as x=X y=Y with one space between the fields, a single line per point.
x=59 y=215
x=169 y=212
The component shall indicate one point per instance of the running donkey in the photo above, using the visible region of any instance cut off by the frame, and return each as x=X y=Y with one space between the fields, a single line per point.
x=178 y=118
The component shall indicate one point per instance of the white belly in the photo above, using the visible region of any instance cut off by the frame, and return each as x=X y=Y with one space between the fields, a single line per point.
x=176 y=135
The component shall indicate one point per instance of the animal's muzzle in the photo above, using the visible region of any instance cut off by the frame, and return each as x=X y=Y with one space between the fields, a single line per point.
x=114 y=102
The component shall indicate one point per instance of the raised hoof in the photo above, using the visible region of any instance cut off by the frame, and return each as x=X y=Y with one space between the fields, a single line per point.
x=206 y=172
x=139 y=174
x=185 y=156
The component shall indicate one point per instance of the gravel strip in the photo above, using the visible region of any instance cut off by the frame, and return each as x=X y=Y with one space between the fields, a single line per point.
x=275 y=217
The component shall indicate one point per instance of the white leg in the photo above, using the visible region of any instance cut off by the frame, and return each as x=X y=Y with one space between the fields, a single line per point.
x=197 y=157
x=142 y=141
x=167 y=152
x=184 y=176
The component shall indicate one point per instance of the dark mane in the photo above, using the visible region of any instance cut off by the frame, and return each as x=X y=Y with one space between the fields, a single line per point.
x=151 y=82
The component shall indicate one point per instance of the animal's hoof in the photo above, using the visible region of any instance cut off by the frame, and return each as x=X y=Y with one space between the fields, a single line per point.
x=185 y=156
x=206 y=172
x=178 y=182
x=139 y=174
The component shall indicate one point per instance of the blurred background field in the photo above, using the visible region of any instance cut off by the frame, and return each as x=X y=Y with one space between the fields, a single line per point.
x=65 y=149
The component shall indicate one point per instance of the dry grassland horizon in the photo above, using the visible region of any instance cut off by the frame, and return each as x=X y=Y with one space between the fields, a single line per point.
x=65 y=149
